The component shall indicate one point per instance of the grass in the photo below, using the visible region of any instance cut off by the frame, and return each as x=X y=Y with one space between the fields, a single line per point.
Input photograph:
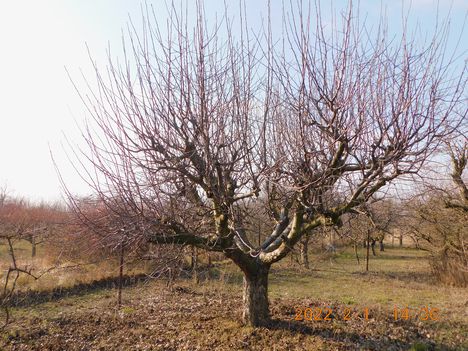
x=194 y=316
x=397 y=278
x=65 y=272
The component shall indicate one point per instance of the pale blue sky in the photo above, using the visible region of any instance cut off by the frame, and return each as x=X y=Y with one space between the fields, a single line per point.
x=38 y=103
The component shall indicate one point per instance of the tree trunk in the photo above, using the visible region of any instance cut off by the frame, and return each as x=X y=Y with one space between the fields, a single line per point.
x=210 y=264
x=373 y=247
x=304 y=252
x=256 y=308
x=194 y=265
x=381 y=245
x=356 y=253
x=121 y=267
x=33 y=247
x=401 y=240
x=367 y=251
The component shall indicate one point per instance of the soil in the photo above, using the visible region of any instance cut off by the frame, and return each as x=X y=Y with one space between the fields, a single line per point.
x=189 y=317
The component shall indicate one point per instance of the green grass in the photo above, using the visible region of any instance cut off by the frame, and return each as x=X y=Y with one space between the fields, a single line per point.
x=397 y=277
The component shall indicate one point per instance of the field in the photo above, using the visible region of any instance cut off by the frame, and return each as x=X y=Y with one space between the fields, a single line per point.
x=206 y=316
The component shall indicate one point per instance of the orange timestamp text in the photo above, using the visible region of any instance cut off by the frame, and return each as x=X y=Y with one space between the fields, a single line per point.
x=328 y=314
x=424 y=313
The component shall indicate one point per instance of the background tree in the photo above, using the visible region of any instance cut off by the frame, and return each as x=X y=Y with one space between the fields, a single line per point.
x=23 y=221
x=35 y=223
x=197 y=121
x=439 y=220
x=383 y=216
x=458 y=151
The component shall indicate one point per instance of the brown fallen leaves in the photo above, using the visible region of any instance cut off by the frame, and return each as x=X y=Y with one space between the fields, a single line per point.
x=205 y=317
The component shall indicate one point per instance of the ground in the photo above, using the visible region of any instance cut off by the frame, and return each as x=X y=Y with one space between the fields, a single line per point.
x=207 y=316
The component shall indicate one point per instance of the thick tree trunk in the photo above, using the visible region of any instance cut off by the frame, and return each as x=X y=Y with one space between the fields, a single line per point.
x=401 y=240
x=256 y=308
x=381 y=245
x=373 y=247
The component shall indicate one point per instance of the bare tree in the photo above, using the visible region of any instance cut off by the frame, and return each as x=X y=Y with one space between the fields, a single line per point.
x=458 y=150
x=438 y=219
x=384 y=218
x=20 y=220
x=194 y=123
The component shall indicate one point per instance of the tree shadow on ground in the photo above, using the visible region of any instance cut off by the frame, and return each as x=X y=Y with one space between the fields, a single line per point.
x=33 y=297
x=355 y=340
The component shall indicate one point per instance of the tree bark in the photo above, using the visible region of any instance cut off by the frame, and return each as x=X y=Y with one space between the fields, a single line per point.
x=373 y=247
x=401 y=240
x=256 y=307
x=381 y=245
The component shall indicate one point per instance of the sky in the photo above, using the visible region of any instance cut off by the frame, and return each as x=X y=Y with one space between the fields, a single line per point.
x=39 y=40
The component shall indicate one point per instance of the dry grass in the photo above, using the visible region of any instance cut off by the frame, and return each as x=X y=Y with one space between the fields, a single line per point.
x=61 y=272
x=207 y=316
